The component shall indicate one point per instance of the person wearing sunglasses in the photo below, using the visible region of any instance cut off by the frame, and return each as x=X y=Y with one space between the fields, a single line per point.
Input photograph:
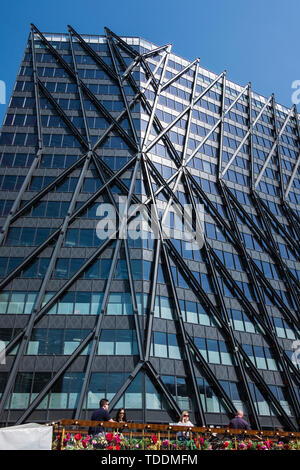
x=184 y=421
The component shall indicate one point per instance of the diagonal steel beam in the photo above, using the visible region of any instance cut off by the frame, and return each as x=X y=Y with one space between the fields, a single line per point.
x=87 y=91
x=276 y=143
x=39 y=152
x=172 y=124
x=249 y=132
x=296 y=166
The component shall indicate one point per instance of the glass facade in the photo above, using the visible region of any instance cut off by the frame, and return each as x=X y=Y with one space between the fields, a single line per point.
x=148 y=322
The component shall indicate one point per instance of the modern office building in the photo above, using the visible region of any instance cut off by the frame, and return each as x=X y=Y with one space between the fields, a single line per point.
x=154 y=322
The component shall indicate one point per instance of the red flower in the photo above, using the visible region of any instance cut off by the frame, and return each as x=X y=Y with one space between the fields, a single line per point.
x=225 y=444
x=117 y=447
x=77 y=437
x=110 y=447
x=154 y=439
x=109 y=437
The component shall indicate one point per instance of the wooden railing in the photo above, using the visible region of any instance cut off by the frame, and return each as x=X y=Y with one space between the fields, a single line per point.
x=168 y=431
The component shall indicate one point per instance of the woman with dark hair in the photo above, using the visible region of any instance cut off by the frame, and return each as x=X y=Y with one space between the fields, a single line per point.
x=121 y=416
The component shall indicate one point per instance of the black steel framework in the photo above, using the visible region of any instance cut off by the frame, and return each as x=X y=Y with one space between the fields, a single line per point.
x=164 y=251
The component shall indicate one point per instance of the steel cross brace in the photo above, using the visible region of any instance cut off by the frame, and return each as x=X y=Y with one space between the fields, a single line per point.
x=260 y=302
x=88 y=92
x=160 y=246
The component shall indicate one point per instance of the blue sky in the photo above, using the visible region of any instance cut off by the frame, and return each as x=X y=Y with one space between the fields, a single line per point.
x=254 y=40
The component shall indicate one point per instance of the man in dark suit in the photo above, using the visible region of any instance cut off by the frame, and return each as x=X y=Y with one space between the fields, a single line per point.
x=101 y=414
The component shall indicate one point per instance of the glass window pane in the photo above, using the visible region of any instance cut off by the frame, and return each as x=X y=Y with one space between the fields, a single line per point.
x=160 y=344
x=106 y=344
x=114 y=306
x=153 y=399
x=17 y=302
x=133 y=395
x=124 y=342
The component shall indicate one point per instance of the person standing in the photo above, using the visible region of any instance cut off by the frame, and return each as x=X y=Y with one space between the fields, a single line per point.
x=101 y=414
x=121 y=416
x=238 y=422
x=184 y=421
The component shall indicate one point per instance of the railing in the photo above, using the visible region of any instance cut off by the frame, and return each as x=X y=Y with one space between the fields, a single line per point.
x=165 y=431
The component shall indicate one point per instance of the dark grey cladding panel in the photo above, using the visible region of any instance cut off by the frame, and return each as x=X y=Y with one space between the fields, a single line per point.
x=44 y=363
x=211 y=333
x=273 y=378
x=100 y=364
x=98 y=286
x=21 y=321
x=58 y=362
x=179 y=368
x=107 y=254
x=189 y=328
x=231 y=374
x=124 y=322
x=119 y=286
x=27 y=363
x=78 y=365
x=73 y=321
x=57 y=321
x=116 y=364
x=8 y=321
x=266 y=421
x=246 y=338
x=159 y=324
x=83 y=286
x=163 y=290
x=155 y=362
x=44 y=322
x=22 y=284
x=167 y=367
x=198 y=330
x=257 y=340
x=109 y=322
x=138 y=285
x=142 y=321
x=39 y=416
x=171 y=327
x=214 y=419
x=135 y=253
x=130 y=363
x=8 y=364
x=87 y=321
x=221 y=372
x=62 y=414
